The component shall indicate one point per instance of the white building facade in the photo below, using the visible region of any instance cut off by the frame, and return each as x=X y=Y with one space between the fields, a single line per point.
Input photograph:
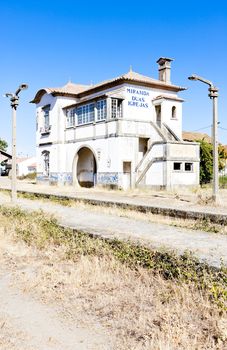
x=125 y=132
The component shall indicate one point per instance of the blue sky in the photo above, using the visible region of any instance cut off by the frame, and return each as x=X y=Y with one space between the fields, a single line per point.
x=46 y=43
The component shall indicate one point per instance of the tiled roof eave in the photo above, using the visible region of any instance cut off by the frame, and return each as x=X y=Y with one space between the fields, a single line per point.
x=122 y=80
x=173 y=98
x=157 y=83
x=82 y=101
x=68 y=94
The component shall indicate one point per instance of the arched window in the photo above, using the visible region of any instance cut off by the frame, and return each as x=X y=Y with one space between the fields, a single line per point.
x=174 y=112
x=46 y=118
x=46 y=162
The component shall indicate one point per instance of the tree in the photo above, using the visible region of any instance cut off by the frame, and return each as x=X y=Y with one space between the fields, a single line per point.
x=3 y=145
x=222 y=156
x=206 y=160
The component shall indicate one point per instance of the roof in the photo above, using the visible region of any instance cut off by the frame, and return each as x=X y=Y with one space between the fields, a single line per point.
x=78 y=90
x=195 y=136
x=22 y=159
x=5 y=154
x=168 y=97
x=69 y=89
x=137 y=77
x=33 y=165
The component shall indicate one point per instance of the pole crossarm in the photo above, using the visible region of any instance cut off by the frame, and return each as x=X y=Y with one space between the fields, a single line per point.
x=14 y=101
x=213 y=92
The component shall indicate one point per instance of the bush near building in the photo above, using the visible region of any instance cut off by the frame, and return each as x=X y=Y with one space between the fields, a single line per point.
x=206 y=160
x=3 y=145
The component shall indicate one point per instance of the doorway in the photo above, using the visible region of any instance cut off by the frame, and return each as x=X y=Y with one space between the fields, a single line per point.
x=158 y=115
x=126 y=180
x=85 y=168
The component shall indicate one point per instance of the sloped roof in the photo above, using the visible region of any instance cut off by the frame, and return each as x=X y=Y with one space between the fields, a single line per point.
x=22 y=159
x=133 y=77
x=194 y=136
x=128 y=76
x=69 y=88
x=168 y=97
x=66 y=90
x=78 y=90
x=5 y=154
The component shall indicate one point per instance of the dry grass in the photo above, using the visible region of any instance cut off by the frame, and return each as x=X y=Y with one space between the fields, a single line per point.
x=8 y=336
x=139 y=307
x=140 y=310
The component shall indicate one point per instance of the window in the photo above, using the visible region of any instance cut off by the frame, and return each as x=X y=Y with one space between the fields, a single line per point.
x=101 y=109
x=174 y=112
x=86 y=114
x=177 y=166
x=116 y=108
x=158 y=115
x=188 y=167
x=46 y=118
x=46 y=162
x=127 y=167
x=37 y=121
x=70 y=118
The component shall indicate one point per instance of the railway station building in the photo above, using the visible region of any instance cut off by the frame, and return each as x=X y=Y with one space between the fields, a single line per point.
x=124 y=132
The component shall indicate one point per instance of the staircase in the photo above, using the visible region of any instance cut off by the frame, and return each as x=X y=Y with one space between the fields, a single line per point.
x=153 y=153
x=148 y=159
x=169 y=133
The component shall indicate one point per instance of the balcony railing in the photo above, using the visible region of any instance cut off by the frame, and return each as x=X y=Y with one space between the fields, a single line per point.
x=45 y=129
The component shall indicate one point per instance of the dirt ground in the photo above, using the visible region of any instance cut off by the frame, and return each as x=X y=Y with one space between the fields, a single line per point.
x=31 y=321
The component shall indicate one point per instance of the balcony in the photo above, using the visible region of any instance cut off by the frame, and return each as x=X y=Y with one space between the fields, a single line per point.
x=45 y=130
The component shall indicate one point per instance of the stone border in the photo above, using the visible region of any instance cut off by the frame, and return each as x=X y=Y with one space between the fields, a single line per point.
x=164 y=211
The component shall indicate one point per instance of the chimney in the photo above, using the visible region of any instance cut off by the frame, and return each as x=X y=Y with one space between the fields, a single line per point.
x=164 y=69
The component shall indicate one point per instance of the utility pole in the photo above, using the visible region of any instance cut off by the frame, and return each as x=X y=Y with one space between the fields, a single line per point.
x=213 y=94
x=14 y=99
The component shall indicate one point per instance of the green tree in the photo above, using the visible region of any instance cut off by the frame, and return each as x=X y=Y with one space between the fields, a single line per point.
x=3 y=145
x=206 y=160
x=222 y=156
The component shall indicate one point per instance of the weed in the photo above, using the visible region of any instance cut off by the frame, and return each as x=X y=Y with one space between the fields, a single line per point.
x=30 y=176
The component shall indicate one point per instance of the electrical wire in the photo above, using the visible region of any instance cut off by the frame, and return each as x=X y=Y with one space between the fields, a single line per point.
x=210 y=126
x=220 y=127
x=205 y=127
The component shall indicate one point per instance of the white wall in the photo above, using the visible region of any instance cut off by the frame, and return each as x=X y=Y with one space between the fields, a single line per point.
x=115 y=141
x=183 y=153
x=22 y=167
x=155 y=175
